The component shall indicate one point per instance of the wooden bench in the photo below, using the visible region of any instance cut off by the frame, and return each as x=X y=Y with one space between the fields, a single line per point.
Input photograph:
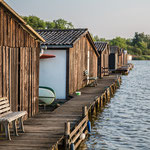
x=7 y=116
x=94 y=79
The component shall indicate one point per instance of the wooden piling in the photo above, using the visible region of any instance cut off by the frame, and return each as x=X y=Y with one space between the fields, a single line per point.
x=71 y=111
x=101 y=100
x=67 y=133
x=84 y=111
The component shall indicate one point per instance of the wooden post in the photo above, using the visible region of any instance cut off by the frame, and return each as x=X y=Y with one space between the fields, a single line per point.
x=89 y=114
x=104 y=98
x=84 y=111
x=102 y=101
x=67 y=134
x=94 y=110
x=98 y=104
x=112 y=89
x=115 y=87
x=108 y=95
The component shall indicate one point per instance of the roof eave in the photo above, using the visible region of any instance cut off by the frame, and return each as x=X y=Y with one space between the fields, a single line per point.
x=57 y=46
x=101 y=50
x=80 y=36
x=90 y=40
x=31 y=30
x=92 y=43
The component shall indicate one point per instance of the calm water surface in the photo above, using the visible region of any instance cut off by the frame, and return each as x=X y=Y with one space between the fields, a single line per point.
x=125 y=122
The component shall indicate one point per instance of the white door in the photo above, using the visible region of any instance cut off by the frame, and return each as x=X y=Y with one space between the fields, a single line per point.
x=53 y=72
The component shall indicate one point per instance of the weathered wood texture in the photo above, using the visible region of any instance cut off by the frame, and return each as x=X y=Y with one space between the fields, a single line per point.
x=19 y=64
x=7 y=116
x=120 y=60
x=73 y=137
x=78 y=63
x=45 y=130
x=125 y=61
x=12 y=32
x=113 y=61
x=103 y=63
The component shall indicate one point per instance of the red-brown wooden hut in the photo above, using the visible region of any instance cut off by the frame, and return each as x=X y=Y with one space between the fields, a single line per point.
x=125 y=57
x=19 y=61
x=76 y=55
x=103 y=61
x=113 y=58
x=120 y=58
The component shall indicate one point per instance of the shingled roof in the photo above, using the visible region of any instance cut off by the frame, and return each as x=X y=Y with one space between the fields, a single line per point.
x=61 y=38
x=114 y=49
x=65 y=38
x=100 y=45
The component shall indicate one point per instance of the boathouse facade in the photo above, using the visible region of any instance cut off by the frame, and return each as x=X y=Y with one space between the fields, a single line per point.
x=19 y=61
x=75 y=61
x=103 y=61
x=120 y=58
x=125 y=57
x=113 y=57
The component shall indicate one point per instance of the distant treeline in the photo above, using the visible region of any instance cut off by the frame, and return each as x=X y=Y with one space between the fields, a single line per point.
x=37 y=23
x=139 y=45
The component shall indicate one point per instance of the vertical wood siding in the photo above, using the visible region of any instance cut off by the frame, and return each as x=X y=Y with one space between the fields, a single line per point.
x=104 y=62
x=125 y=58
x=78 y=64
x=19 y=64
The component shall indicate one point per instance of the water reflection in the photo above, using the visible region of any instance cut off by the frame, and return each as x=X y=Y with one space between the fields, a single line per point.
x=125 y=123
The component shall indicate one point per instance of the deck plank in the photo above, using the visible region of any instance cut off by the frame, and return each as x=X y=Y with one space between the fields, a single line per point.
x=45 y=129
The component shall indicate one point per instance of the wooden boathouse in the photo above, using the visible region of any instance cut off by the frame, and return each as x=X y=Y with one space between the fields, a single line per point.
x=113 y=58
x=125 y=57
x=103 y=61
x=75 y=62
x=120 y=58
x=19 y=61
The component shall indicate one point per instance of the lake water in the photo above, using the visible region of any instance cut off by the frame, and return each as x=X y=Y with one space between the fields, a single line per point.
x=125 y=122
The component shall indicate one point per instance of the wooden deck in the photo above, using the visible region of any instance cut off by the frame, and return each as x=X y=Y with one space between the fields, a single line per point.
x=124 y=70
x=46 y=129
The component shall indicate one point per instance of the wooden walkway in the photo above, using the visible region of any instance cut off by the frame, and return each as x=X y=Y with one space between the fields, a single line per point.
x=124 y=70
x=47 y=129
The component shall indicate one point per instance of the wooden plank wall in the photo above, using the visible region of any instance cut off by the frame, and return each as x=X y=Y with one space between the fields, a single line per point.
x=120 y=60
x=19 y=64
x=105 y=62
x=19 y=78
x=78 y=56
x=125 y=59
x=116 y=60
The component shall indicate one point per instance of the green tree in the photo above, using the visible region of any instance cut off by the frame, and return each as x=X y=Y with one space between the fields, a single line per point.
x=120 y=42
x=50 y=25
x=96 y=38
x=62 y=24
x=103 y=40
x=142 y=45
x=35 y=22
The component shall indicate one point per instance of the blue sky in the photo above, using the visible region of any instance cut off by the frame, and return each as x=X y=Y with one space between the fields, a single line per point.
x=105 y=18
